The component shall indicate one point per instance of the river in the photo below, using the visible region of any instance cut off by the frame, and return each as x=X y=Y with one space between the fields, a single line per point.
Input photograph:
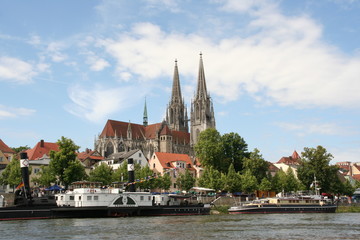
x=267 y=226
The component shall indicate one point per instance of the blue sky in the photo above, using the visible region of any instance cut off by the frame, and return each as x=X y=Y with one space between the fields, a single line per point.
x=284 y=75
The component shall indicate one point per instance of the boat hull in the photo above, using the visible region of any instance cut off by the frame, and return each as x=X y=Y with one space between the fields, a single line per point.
x=283 y=209
x=99 y=212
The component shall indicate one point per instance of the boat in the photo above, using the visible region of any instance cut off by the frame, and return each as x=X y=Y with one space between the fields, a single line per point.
x=292 y=204
x=91 y=200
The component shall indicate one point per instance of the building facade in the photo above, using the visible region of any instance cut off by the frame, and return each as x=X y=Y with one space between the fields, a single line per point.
x=170 y=136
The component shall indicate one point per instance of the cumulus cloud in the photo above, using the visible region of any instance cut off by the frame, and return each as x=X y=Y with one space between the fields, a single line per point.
x=97 y=103
x=308 y=128
x=11 y=112
x=283 y=60
x=16 y=70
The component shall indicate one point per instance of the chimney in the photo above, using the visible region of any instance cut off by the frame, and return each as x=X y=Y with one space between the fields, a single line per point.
x=42 y=143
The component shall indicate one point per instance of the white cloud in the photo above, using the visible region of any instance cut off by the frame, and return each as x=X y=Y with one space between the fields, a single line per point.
x=283 y=61
x=96 y=63
x=11 y=112
x=98 y=103
x=16 y=70
x=55 y=51
x=308 y=128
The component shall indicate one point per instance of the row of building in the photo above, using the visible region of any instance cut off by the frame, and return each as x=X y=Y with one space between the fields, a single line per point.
x=165 y=147
x=160 y=162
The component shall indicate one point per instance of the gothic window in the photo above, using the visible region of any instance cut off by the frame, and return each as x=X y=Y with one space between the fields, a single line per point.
x=197 y=134
x=121 y=147
x=109 y=149
x=197 y=111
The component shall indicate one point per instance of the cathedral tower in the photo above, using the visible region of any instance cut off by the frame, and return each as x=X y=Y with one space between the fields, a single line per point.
x=202 y=110
x=176 y=114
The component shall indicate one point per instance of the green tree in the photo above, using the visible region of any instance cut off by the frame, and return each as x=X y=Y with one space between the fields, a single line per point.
x=62 y=159
x=233 y=180
x=279 y=181
x=165 y=182
x=315 y=163
x=234 y=150
x=211 y=178
x=265 y=185
x=348 y=189
x=45 y=177
x=121 y=174
x=185 y=181
x=249 y=182
x=256 y=164
x=74 y=172
x=12 y=173
x=292 y=184
x=20 y=149
x=146 y=180
x=208 y=149
x=102 y=173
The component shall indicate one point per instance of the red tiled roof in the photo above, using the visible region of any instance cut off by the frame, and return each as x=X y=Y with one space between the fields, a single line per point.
x=152 y=130
x=181 y=137
x=165 y=131
x=289 y=161
x=295 y=155
x=165 y=158
x=40 y=149
x=89 y=154
x=356 y=177
x=5 y=148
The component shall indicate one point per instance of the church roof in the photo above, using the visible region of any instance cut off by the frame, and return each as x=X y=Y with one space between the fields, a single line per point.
x=119 y=128
x=5 y=148
x=165 y=131
x=41 y=148
x=181 y=137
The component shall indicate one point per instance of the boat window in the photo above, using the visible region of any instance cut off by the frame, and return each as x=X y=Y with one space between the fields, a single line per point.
x=96 y=198
x=62 y=197
x=141 y=198
x=79 y=198
x=71 y=197
x=89 y=198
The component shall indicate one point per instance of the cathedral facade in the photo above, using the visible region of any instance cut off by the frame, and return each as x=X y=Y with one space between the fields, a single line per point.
x=173 y=135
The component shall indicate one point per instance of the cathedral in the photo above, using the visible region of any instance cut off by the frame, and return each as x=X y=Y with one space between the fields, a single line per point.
x=170 y=136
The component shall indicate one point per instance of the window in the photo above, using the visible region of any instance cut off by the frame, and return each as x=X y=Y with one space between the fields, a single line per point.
x=1 y=159
x=96 y=198
x=72 y=198
x=89 y=198
x=141 y=198
x=154 y=165
x=139 y=154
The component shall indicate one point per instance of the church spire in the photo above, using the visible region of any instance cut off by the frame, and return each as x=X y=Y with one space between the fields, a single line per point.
x=201 y=83
x=145 y=117
x=175 y=114
x=202 y=110
x=176 y=91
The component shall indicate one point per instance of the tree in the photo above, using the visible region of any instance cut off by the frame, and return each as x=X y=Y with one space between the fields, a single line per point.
x=165 y=181
x=207 y=148
x=315 y=163
x=62 y=159
x=234 y=150
x=291 y=182
x=256 y=164
x=12 y=173
x=102 y=173
x=249 y=182
x=74 y=172
x=279 y=181
x=146 y=180
x=265 y=185
x=233 y=180
x=21 y=148
x=185 y=181
x=45 y=177
x=211 y=178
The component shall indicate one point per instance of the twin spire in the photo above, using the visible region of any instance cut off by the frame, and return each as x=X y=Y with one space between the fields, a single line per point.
x=202 y=112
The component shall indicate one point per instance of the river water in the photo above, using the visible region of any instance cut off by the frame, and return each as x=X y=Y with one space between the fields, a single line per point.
x=267 y=226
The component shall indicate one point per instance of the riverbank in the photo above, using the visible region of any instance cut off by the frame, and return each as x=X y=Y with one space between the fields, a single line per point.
x=348 y=209
x=223 y=209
